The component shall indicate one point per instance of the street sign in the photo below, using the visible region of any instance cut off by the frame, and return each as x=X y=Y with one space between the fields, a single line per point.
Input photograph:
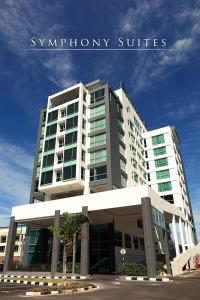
x=122 y=251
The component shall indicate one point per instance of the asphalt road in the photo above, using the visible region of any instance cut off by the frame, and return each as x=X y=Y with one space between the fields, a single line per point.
x=184 y=288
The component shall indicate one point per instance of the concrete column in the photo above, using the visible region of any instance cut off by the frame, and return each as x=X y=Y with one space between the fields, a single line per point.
x=25 y=248
x=187 y=236
x=85 y=245
x=149 y=237
x=10 y=246
x=166 y=250
x=74 y=255
x=55 y=246
x=181 y=235
x=190 y=235
x=86 y=189
x=175 y=236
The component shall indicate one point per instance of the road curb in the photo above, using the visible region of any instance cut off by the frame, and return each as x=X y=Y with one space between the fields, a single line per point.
x=71 y=291
x=156 y=279
x=72 y=277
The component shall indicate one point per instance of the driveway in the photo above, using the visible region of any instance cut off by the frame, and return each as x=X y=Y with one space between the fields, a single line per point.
x=184 y=288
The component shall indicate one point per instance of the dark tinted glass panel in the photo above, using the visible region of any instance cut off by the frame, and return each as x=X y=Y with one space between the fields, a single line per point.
x=101 y=173
x=51 y=129
x=127 y=241
x=118 y=238
x=52 y=116
x=71 y=138
x=72 y=108
x=69 y=172
x=135 y=242
x=70 y=154
x=97 y=96
x=48 y=160
x=71 y=123
x=46 y=177
x=50 y=144
x=98 y=173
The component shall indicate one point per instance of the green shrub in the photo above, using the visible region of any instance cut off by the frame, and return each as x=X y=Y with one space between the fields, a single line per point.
x=69 y=267
x=160 y=268
x=17 y=266
x=133 y=269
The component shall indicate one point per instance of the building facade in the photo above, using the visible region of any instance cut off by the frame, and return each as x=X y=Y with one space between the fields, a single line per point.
x=19 y=243
x=92 y=143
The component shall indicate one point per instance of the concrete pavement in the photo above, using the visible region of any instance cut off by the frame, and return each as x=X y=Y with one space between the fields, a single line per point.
x=184 y=288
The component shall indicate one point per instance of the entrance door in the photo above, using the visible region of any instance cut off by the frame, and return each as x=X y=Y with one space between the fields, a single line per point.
x=102 y=251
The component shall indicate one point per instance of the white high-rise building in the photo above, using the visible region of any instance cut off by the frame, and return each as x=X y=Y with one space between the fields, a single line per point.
x=95 y=155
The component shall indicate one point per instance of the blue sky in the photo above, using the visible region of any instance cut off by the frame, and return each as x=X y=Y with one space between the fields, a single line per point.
x=163 y=85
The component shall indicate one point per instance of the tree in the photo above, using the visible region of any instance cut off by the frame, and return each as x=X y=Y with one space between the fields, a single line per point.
x=70 y=228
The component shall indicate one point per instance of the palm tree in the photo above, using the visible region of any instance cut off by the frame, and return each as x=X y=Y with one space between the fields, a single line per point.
x=70 y=228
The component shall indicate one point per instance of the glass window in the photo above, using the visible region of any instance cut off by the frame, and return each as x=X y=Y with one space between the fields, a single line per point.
x=70 y=154
x=97 y=124
x=98 y=140
x=135 y=242
x=122 y=165
x=118 y=239
x=84 y=109
x=123 y=181
x=120 y=123
x=83 y=156
x=16 y=248
x=52 y=116
x=98 y=173
x=97 y=96
x=71 y=138
x=158 y=217
x=58 y=175
x=63 y=112
x=50 y=144
x=158 y=139
x=82 y=173
x=46 y=177
x=83 y=124
x=61 y=142
x=141 y=243
x=41 y=143
x=69 y=172
x=38 y=172
x=39 y=157
x=159 y=151
x=121 y=136
x=135 y=177
x=72 y=108
x=3 y=239
x=161 y=162
x=51 y=129
x=162 y=174
x=122 y=150
x=62 y=127
x=60 y=158
x=164 y=186
x=2 y=249
x=127 y=240
x=71 y=123
x=83 y=139
x=97 y=110
x=98 y=156
x=48 y=160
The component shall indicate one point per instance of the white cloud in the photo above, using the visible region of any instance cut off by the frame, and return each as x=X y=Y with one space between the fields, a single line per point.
x=15 y=177
x=19 y=21
x=137 y=15
x=59 y=68
x=181 y=25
